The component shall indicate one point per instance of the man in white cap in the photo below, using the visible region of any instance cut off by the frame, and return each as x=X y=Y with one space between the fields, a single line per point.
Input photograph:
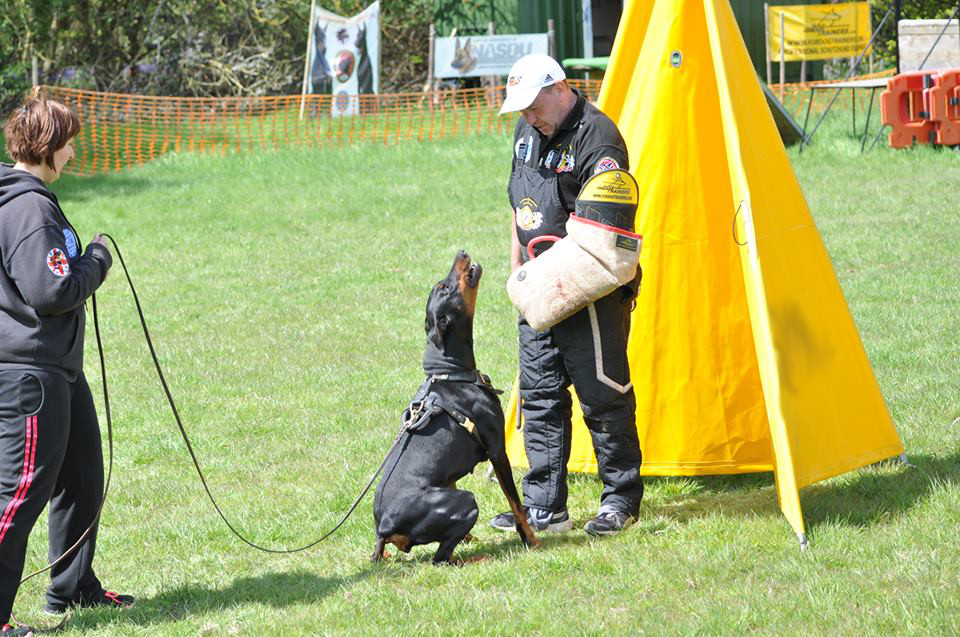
x=560 y=141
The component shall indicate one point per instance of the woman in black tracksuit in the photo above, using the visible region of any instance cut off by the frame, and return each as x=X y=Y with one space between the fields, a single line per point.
x=50 y=446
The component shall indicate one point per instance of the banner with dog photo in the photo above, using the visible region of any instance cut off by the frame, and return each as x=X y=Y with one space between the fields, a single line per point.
x=481 y=55
x=345 y=57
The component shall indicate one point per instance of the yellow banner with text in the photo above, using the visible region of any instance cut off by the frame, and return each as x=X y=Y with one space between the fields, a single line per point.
x=818 y=31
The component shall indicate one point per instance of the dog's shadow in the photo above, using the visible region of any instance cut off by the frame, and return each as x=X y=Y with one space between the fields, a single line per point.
x=484 y=549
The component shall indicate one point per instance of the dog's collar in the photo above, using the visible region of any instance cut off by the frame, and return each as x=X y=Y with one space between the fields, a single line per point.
x=474 y=376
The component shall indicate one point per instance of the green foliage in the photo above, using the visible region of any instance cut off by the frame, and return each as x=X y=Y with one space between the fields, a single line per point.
x=473 y=16
x=191 y=47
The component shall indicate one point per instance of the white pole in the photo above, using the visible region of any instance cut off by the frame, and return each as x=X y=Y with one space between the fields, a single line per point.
x=551 y=38
x=306 y=60
x=430 y=56
x=587 y=29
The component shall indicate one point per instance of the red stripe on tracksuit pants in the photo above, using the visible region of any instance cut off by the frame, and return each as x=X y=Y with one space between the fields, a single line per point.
x=62 y=467
x=26 y=478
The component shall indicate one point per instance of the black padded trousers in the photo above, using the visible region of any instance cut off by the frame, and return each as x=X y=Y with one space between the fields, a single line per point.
x=589 y=350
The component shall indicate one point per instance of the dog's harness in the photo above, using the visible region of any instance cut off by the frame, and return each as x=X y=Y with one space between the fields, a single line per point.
x=426 y=403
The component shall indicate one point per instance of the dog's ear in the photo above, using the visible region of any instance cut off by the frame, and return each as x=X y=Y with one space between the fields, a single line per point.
x=441 y=325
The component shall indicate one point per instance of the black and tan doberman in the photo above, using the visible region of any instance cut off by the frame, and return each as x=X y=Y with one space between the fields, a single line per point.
x=454 y=422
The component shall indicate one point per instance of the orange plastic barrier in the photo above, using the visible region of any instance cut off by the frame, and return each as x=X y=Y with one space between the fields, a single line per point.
x=120 y=131
x=902 y=108
x=943 y=105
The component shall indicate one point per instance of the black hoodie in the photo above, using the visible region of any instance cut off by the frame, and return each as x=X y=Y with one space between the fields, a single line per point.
x=44 y=280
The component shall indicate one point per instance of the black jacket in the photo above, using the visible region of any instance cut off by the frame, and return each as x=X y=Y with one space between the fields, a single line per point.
x=44 y=280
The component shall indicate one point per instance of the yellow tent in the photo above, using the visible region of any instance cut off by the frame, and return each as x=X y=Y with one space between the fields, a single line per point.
x=743 y=354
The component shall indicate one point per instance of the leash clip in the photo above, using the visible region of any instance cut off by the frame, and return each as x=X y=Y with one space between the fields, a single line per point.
x=414 y=411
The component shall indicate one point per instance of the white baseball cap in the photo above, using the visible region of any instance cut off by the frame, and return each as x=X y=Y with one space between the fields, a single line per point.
x=528 y=75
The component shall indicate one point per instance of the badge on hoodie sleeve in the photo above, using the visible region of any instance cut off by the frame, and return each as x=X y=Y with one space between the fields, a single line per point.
x=70 y=240
x=58 y=263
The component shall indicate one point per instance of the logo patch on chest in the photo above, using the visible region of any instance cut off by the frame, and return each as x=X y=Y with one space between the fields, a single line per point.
x=58 y=263
x=523 y=149
x=528 y=217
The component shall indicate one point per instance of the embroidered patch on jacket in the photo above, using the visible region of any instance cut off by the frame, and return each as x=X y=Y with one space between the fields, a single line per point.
x=522 y=149
x=57 y=262
x=605 y=163
x=566 y=163
x=71 y=240
x=528 y=218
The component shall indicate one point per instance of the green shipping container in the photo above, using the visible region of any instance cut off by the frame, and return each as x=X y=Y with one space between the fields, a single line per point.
x=533 y=17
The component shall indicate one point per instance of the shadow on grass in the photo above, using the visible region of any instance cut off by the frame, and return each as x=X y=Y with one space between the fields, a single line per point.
x=878 y=494
x=481 y=550
x=71 y=189
x=272 y=589
x=869 y=496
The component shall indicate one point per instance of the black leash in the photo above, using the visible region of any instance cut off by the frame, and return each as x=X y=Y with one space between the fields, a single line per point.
x=186 y=438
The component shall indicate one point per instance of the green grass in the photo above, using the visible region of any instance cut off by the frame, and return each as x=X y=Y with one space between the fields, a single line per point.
x=285 y=292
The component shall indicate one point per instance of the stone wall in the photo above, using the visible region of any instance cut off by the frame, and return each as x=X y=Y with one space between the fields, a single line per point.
x=916 y=38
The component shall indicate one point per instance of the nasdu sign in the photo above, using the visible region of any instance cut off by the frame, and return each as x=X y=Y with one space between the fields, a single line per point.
x=475 y=56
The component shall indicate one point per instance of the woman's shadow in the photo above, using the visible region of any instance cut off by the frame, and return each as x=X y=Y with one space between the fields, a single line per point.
x=278 y=590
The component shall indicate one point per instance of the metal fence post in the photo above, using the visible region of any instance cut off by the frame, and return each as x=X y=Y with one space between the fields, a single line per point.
x=766 y=41
x=783 y=59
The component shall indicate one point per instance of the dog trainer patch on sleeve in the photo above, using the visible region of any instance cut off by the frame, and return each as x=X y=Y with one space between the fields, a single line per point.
x=58 y=263
x=599 y=253
x=605 y=164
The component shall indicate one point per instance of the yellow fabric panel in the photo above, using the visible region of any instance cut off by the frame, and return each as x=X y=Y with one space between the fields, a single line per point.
x=624 y=55
x=827 y=415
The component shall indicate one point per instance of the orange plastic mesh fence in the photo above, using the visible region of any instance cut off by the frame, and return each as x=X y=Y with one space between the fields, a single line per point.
x=119 y=131
x=796 y=96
